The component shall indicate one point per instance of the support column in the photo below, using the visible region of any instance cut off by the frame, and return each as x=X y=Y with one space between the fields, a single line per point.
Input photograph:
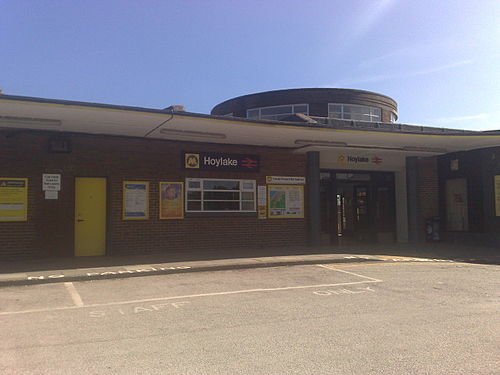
x=412 y=198
x=313 y=198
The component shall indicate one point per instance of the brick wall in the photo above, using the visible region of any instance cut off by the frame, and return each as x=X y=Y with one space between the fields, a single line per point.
x=49 y=230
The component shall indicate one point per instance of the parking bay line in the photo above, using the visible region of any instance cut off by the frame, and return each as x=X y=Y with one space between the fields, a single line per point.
x=188 y=296
x=412 y=263
x=75 y=296
x=371 y=279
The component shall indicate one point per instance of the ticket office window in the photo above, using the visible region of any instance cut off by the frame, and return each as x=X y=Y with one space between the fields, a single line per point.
x=220 y=195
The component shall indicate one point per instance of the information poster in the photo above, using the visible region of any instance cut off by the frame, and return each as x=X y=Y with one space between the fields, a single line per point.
x=171 y=200
x=262 y=202
x=286 y=201
x=497 y=194
x=13 y=199
x=135 y=200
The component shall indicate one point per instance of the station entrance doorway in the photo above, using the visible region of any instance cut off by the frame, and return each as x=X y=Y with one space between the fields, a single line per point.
x=357 y=207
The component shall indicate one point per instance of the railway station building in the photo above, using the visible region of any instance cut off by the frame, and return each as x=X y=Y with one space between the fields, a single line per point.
x=282 y=168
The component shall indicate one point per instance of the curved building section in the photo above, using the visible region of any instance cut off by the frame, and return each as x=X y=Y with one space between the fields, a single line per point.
x=347 y=104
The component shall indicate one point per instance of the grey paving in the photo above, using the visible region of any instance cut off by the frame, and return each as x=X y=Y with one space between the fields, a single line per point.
x=119 y=271
x=391 y=317
x=54 y=270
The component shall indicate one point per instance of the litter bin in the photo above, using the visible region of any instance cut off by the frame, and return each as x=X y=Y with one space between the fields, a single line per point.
x=432 y=228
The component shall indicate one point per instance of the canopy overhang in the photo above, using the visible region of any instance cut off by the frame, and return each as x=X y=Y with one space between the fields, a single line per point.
x=21 y=113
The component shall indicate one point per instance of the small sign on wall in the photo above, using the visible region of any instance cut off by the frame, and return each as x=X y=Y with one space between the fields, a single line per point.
x=261 y=196
x=286 y=180
x=262 y=202
x=51 y=182
x=262 y=212
x=51 y=194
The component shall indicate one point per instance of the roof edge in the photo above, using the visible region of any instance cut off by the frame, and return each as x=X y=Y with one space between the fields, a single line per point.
x=333 y=123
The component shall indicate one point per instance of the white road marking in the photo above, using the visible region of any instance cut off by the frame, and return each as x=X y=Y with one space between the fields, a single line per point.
x=189 y=296
x=343 y=291
x=75 y=296
x=350 y=273
x=139 y=309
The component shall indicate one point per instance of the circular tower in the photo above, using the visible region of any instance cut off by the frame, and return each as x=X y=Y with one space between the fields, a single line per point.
x=346 y=104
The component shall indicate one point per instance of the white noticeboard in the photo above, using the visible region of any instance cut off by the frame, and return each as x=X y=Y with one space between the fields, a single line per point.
x=51 y=182
x=135 y=200
x=261 y=196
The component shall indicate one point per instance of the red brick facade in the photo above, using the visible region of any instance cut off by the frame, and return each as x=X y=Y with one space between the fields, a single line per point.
x=49 y=230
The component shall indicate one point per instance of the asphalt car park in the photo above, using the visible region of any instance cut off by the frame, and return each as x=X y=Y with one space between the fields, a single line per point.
x=412 y=317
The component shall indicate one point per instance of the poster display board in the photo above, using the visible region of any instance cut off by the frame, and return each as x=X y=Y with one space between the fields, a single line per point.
x=497 y=195
x=171 y=200
x=135 y=200
x=13 y=199
x=285 y=201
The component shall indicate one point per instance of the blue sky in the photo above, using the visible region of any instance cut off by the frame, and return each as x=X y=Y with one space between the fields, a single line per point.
x=438 y=59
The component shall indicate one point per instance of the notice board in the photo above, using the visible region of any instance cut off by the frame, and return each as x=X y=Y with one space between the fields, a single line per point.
x=13 y=199
x=171 y=200
x=135 y=200
x=285 y=201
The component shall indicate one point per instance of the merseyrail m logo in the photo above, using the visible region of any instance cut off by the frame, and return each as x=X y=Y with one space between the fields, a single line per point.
x=192 y=161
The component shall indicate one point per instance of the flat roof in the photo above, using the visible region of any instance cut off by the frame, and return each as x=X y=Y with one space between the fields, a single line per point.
x=327 y=123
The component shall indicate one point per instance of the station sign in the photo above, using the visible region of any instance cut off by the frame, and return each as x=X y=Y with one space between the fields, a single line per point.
x=220 y=161
x=356 y=159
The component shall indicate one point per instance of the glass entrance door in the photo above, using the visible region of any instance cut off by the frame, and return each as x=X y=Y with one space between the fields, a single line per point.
x=353 y=212
x=357 y=207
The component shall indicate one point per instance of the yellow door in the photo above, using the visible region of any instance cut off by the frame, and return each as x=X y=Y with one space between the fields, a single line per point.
x=90 y=216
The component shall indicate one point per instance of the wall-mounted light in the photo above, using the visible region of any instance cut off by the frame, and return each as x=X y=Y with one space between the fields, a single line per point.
x=192 y=134
x=59 y=145
x=28 y=122
x=436 y=150
x=306 y=142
